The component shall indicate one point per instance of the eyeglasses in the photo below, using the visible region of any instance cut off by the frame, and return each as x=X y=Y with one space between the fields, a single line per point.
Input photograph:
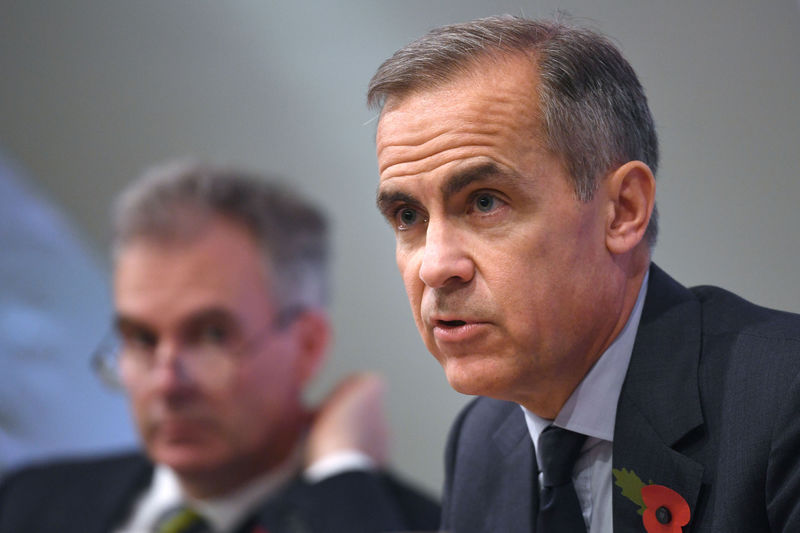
x=210 y=350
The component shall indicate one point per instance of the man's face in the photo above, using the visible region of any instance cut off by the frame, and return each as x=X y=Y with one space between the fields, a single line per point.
x=509 y=279
x=231 y=423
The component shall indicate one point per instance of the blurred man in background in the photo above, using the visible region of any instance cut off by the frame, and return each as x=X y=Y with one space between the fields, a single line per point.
x=220 y=286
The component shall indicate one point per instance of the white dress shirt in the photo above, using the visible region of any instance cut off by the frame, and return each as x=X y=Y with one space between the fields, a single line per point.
x=591 y=410
x=227 y=512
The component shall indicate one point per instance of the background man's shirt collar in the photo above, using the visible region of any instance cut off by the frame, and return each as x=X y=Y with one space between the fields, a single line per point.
x=224 y=513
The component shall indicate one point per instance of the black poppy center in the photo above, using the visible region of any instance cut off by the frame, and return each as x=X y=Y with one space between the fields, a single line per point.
x=663 y=515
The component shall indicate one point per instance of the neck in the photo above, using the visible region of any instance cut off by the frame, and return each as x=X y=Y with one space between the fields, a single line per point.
x=247 y=467
x=556 y=390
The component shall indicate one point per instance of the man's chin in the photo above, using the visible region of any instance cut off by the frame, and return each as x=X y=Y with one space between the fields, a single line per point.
x=185 y=456
x=472 y=379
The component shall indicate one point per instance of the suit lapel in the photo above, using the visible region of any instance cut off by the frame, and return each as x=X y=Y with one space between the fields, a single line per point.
x=283 y=512
x=659 y=405
x=113 y=497
x=510 y=502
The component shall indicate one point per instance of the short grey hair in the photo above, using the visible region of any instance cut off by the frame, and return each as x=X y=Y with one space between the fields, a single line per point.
x=172 y=202
x=595 y=113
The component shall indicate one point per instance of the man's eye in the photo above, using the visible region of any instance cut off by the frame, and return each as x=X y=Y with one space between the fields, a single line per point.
x=406 y=217
x=214 y=334
x=138 y=340
x=485 y=203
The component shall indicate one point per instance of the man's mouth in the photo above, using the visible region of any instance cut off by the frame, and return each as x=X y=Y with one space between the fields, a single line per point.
x=456 y=330
x=450 y=323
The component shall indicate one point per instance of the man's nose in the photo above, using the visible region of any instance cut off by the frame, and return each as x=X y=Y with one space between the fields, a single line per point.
x=170 y=366
x=445 y=260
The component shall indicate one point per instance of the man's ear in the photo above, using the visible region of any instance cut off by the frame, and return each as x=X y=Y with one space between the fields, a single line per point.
x=312 y=332
x=631 y=194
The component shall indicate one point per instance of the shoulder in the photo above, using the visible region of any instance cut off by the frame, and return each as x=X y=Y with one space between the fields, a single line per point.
x=750 y=371
x=720 y=319
x=748 y=344
x=66 y=487
x=725 y=313
x=75 y=470
x=419 y=509
x=356 y=500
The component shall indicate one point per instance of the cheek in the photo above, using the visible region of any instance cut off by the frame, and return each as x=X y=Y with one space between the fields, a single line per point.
x=236 y=413
x=139 y=405
x=147 y=410
x=273 y=385
x=409 y=271
x=414 y=286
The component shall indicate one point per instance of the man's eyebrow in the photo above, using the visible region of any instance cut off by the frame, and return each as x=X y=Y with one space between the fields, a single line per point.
x=203 y=316
x=386 y=199
x=123 y=322
x=453 y=185
x=462 y=179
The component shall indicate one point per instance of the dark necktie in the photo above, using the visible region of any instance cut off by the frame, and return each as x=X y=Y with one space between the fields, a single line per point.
x=181 y=519
x=559 y=509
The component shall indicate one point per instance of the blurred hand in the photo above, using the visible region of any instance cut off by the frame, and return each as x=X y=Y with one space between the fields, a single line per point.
x=351 y=418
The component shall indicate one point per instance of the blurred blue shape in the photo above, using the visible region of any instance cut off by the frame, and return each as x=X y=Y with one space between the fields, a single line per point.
x=54 y=310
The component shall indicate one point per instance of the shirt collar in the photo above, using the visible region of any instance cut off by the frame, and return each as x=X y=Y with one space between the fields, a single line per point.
x=225 y=512
x=591 y=409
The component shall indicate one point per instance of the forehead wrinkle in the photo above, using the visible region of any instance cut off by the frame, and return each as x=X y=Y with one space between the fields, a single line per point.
x=432 y=161
x=409 y=139
x=406 y=149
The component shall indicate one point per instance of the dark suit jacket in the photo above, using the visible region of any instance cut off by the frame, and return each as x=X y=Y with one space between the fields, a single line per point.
x=95 y=496
x=710 y=408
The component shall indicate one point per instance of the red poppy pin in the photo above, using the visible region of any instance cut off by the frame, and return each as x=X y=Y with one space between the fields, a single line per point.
x=663 y=510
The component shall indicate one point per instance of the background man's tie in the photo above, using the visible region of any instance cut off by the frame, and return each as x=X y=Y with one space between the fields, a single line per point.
x=181 y=520
x=559 y=509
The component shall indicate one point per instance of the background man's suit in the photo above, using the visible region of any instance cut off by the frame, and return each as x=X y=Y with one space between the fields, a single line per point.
x=95 y=497
x=710 y=408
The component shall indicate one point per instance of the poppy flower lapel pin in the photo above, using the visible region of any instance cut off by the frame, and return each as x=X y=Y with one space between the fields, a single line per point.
x=663 y=510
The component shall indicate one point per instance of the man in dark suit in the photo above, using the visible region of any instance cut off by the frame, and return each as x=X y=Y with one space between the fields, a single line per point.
x=517 y=163
x=220 y=292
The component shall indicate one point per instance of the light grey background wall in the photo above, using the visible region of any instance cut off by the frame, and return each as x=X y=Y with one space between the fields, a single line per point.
x=93 y=92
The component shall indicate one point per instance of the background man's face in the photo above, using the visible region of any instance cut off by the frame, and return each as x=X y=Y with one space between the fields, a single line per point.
x=506 y=271
x=211 y=289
